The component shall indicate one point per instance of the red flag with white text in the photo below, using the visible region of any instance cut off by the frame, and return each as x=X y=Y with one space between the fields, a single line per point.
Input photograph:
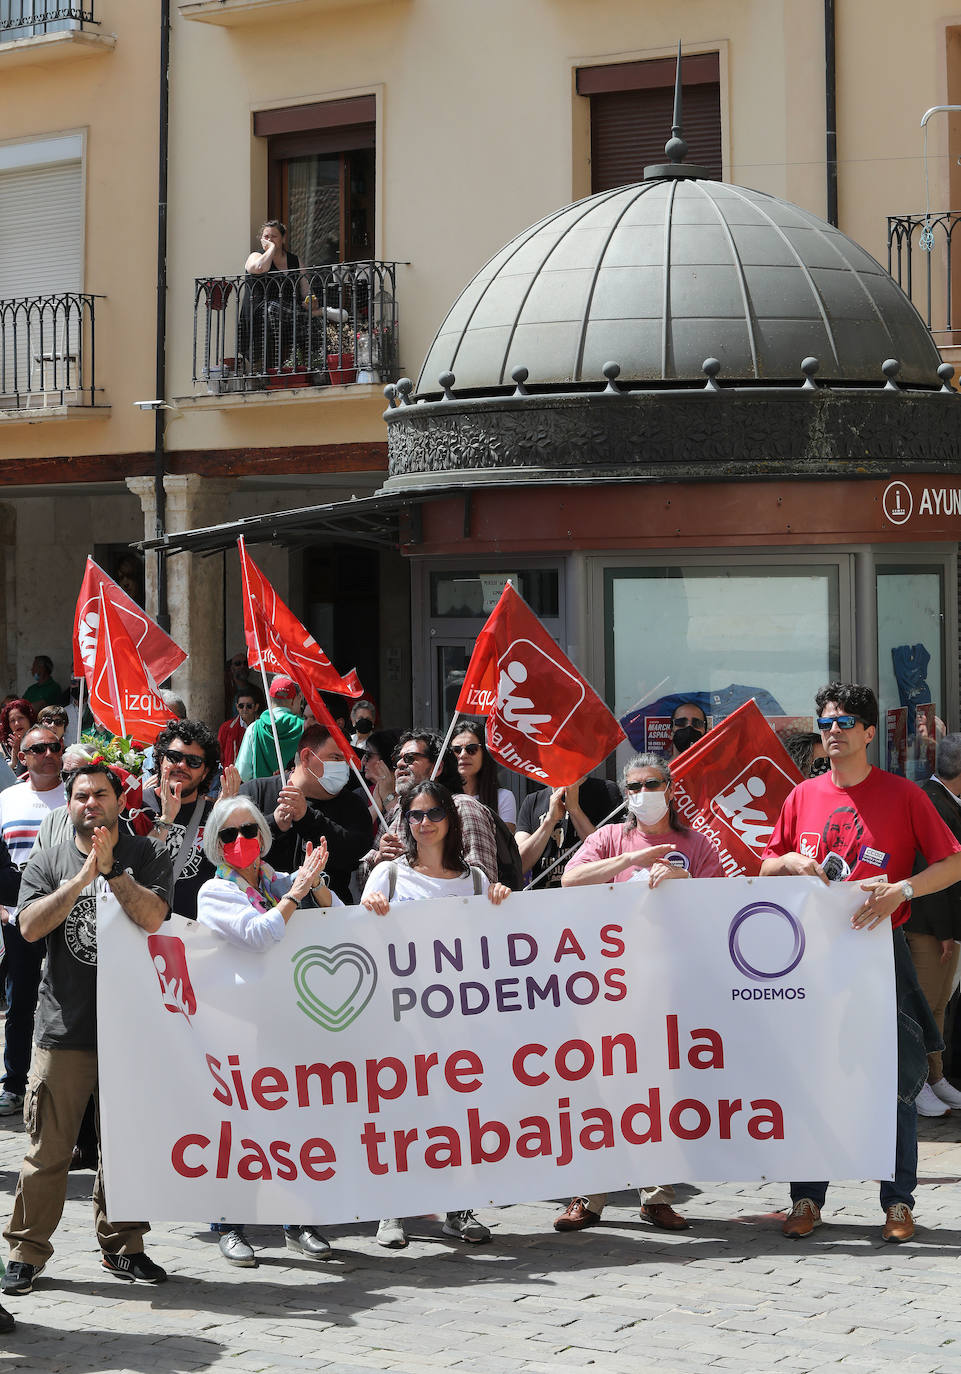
x=157 y=650
x=297 y=645
x=123 y=697
x=731 y=786
x=543 y=719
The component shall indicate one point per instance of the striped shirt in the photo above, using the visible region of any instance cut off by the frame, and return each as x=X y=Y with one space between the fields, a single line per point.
x=22 y=810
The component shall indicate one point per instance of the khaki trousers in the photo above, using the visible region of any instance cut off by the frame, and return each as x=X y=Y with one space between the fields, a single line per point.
x=649 y=1197
x=58 y=1089
x=936 y=981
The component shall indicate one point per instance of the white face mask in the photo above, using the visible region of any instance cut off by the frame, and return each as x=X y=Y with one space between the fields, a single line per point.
x=648 y=807
x=334 y=777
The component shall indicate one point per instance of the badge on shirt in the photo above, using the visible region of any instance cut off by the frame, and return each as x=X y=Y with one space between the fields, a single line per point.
x=678 y=860
x=875 y=857
x=810 y=844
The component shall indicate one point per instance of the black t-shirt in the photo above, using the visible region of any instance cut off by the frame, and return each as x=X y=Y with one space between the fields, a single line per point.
x=343 y=821
x=67 y=1005
x=597 y=798
x=197 y=867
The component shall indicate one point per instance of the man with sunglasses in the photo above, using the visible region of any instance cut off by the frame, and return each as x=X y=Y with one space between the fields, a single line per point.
x=22 y=810
x=859 y=824
x=688 y=724
x=186 y=756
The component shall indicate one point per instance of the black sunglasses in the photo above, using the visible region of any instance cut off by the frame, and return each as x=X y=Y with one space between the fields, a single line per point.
x=48 y=747
x=470 y=749
x=195 y=761
x=648 y=785
x=843 y=722
x=679 y=722
x=250 y=831
x=409 y=756
x=435 y=814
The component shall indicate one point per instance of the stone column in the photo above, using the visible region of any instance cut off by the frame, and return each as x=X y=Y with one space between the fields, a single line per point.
x=195 y=589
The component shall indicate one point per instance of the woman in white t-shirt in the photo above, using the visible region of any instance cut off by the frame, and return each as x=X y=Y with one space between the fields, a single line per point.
x=433 y=867
x=478 y=773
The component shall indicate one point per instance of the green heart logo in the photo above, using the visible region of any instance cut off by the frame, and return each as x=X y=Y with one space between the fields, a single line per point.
x=328 y=961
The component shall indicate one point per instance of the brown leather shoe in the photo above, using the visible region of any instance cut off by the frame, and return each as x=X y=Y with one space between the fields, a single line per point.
x=662 y=1214
x=898 y=1224
x=576 y=1216
x=802 y=1219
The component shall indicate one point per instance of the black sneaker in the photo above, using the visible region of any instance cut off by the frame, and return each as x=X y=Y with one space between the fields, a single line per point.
x=19 y=1277
x=7 y=1324
x=134 y=1267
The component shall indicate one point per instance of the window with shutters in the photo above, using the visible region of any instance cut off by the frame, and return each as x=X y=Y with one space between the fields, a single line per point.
x=632 y=106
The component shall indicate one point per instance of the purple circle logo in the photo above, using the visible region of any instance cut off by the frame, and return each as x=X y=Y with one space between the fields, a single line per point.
x=736 y=932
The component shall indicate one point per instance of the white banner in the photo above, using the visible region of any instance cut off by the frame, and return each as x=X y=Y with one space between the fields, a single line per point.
x=454 y=1054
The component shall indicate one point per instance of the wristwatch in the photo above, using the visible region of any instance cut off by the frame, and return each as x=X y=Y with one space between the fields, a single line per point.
x=117 y=871
x=908 y=891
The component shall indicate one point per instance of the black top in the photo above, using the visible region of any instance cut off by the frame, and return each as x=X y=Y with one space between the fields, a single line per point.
x=939 y=914
x=197 y=868
x=343 y=821
x=597 y=798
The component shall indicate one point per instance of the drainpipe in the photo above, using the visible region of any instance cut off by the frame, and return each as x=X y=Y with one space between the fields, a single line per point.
x=160 y=387
x=831 y=111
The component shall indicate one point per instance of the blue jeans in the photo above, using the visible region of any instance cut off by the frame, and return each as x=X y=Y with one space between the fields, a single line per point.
x=24 y=968
x=901 y=1188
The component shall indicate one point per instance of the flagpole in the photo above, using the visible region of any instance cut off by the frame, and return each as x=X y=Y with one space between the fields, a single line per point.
x=443 y=748
x=568 y=852
x=260 y=657
x=83 y=683
x=111 y=669
x=363 y=782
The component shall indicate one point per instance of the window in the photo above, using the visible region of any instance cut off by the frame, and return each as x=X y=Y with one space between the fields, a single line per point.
x=321 y=177
x=911 y=693
x=632 y=106
x=726 y=634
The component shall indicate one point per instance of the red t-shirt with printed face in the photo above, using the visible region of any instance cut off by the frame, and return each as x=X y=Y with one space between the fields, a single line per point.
x=875 y=828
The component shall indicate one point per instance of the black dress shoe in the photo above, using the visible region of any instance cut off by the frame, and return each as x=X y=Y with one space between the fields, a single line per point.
x=6 y=1321
x=307 y=1241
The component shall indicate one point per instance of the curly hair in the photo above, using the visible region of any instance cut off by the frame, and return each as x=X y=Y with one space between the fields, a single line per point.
x=852 y=697
x=191 y=732
x=452 y=856
x=26 y=708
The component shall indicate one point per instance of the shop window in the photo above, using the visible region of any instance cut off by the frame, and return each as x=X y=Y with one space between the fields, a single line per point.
x=722 y=635
x=632 y=107
x=911 y=692
x=321 y=169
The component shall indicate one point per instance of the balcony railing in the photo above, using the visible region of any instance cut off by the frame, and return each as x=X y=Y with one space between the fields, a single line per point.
x=48 y=351
x=312 y=327
x=921 y=252
x=32 y=18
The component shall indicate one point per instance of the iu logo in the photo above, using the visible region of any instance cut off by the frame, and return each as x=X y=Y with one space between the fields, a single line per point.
x=169 y=957
x=88 y=627
x=535 y=695
x=749 y=806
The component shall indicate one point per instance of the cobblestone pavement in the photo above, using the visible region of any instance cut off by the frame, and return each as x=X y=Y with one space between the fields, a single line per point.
x=730 y=1294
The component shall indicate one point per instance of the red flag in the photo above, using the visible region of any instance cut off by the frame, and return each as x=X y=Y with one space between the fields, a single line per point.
x=122 y=695
x=160 y=654
x=356 y=686
x=543 y=718
x=263 y=638
x=732 y=784
x=297 y=646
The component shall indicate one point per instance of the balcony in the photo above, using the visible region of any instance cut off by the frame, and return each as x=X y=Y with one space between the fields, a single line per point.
x=34 y=33
x=48 y=356
x=296 y=331
x=234 y=13
x=921 y=260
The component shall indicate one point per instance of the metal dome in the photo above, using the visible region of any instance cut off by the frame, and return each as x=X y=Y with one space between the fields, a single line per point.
x=663 y=274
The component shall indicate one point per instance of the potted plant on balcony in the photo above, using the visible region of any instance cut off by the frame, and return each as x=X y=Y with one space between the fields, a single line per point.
x=292 y=373
x=340 y=354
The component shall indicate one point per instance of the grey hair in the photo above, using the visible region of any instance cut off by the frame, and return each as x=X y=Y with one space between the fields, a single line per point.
x=173 y=703
x=656 y=761
x=949 y=756
x=75 y=755
x=221 y=810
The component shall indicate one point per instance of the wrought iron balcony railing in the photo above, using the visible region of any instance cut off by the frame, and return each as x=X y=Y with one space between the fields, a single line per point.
x=921 y=251
x=314 y=326
x=48 y=351
x=31 y=18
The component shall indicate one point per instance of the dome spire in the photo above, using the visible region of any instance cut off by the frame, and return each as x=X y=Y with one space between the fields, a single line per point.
x=675 y=148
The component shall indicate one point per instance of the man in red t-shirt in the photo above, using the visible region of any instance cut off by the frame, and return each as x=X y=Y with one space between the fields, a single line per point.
x=860 y=824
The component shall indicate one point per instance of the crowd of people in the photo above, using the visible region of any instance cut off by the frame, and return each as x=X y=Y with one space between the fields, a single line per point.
x=215 y=833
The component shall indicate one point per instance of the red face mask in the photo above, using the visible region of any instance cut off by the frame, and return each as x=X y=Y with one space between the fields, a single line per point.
x=242 y=853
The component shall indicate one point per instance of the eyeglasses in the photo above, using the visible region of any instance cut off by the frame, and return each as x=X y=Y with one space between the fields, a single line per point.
x=470 y=749
x=648 y=785
x=435 y=814
x=842 y=722
x=195 y=761
x=246 y=705
x=679 y=722
x=410 y=756
x=250 y=831
x=48 y=747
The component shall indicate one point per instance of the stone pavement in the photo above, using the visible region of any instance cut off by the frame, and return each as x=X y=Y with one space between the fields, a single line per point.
x=731 y=1294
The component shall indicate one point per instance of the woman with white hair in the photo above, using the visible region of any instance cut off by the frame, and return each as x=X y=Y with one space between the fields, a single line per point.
x=250 y=905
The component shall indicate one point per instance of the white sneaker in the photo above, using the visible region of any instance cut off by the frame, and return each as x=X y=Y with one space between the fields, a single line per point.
x=929 y=1104
x=10 y=1103
x=943 y=1090
x=391 y=1233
